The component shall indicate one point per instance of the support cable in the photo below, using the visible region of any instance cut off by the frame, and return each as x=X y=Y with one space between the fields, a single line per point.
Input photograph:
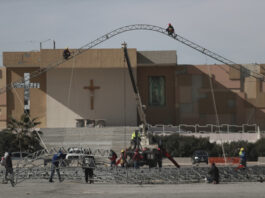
x=215 y=110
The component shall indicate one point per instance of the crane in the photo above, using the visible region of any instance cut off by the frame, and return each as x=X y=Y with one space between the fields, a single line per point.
x=140 y=106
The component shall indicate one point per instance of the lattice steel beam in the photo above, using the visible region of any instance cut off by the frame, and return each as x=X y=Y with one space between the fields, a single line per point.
x=141 y=27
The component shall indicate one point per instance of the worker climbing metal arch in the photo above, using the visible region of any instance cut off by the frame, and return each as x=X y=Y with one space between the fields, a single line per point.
x=141 y=27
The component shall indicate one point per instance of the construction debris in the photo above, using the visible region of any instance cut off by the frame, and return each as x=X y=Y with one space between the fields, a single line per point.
x=35 y=168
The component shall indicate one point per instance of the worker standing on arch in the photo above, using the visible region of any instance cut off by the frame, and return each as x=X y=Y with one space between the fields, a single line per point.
x=66 y=53
x=170 y=29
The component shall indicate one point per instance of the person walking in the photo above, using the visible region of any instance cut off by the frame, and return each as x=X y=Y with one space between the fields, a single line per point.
x=88 y=165
x=9 y=174
x=55 y=166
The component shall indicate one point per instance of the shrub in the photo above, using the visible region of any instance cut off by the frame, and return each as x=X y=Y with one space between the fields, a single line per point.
x=184 y=146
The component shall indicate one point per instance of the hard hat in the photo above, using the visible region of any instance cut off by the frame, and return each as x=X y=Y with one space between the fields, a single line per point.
x=122 y=150
x=242 y=149
x=158 y=149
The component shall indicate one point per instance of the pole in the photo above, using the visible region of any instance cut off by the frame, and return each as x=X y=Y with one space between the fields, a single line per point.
x=44 y=145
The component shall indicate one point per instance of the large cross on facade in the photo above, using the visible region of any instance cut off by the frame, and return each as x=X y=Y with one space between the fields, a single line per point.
x=26 y=85
x=92 y=89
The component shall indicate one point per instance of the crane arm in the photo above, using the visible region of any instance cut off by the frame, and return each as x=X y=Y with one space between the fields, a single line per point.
x=140 y=109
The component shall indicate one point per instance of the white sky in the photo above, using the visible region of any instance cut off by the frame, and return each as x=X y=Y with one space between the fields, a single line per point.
x=233 y=28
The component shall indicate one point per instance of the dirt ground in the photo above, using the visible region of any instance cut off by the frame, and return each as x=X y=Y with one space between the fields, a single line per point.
x=68 y=189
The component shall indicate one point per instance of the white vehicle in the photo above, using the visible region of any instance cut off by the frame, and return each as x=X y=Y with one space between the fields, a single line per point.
x=74 y=156
x=75 y=153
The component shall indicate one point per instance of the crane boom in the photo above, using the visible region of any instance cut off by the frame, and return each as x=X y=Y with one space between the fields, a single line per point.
x=139 y=104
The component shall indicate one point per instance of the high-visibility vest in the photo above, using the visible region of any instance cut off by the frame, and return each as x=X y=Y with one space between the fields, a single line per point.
x=134 y=135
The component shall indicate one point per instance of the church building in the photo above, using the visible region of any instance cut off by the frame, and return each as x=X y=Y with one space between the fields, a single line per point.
x=95 y=85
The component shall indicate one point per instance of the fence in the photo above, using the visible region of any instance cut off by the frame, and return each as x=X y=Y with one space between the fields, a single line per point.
x=208 y=128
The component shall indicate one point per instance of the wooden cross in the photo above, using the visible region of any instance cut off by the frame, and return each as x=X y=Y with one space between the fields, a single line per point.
x=92 y=88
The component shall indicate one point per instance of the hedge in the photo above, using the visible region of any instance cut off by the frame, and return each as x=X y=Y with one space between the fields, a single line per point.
x=184 y=146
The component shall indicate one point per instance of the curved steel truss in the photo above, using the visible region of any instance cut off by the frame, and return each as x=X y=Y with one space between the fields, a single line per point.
x=147 y=27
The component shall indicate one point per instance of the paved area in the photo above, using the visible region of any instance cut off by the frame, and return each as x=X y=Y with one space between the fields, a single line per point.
x=70 y=189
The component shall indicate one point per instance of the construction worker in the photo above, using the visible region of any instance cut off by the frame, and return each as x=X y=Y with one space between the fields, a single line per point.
x=170 y=29
x=243 y=159
x=214 y=175
x=88 y=165
x=66 y=53
x=7 y=162
x=55 y=166
x=144 y=153
x=112 y=158
x=159 y=158
x=123 y=158
x=136 y=139
x=136 y=158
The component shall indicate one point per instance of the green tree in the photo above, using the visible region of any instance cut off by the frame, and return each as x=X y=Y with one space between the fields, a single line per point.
x=24 y=136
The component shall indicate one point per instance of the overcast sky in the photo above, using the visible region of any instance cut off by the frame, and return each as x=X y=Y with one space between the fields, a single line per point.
x=234 y=29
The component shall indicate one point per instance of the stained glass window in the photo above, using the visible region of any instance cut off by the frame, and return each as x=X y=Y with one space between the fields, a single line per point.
x=157 y=95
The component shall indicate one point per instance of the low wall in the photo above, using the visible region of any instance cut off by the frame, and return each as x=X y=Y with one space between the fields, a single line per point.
x=261 y=160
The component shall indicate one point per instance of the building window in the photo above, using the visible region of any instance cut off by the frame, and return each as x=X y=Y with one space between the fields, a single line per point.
x=157 y=95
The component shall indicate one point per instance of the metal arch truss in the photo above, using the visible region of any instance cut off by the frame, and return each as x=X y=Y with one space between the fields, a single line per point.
x=165 y=175
x=147 y=27
x=35 y=168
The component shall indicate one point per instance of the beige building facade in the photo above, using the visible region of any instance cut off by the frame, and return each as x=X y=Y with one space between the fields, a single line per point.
x=62 y=97
x=95 y=85
x=3 y=108
x=67 y=100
